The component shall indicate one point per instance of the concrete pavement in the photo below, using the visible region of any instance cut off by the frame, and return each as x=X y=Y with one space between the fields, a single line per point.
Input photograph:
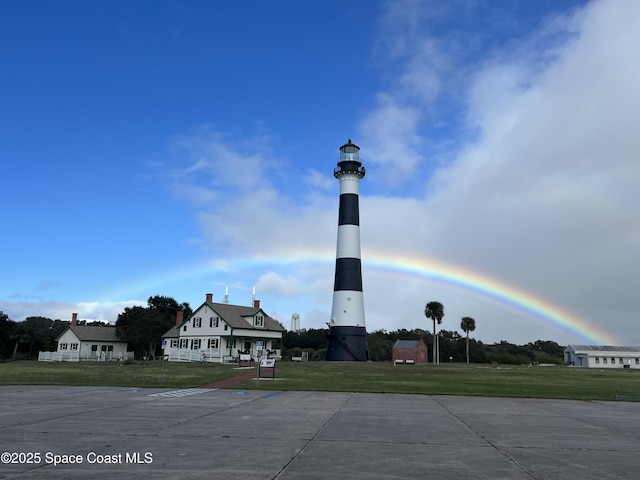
x=232 y=434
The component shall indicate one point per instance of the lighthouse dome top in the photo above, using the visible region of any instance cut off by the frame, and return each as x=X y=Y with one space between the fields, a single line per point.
x=349 y=147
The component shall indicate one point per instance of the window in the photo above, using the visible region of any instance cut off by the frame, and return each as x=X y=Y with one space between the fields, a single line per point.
x=184 y=342
x=259 y=321
x=213 y=343
x=63 y=346
x=613 y=361
x=226 y=326
x=184 y=329
x=231 y=342
x=197 y=322
x=620 y=360
x=637 y=361
x=174 y=343
x=213 y=322
x=74 y=346
x=195 y=344
x=94 y=348
x=597 y=360
x=604 y=360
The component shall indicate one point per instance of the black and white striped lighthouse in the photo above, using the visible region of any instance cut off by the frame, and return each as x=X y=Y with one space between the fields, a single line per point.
x=347 y=330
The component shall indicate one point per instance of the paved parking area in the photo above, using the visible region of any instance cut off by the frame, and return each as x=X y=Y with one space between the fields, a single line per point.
x=101 y=433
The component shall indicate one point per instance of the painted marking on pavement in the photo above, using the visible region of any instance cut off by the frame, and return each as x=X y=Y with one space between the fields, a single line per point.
x=182 y=393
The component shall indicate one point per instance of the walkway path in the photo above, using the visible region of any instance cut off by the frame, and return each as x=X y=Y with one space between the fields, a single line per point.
x=230 y=382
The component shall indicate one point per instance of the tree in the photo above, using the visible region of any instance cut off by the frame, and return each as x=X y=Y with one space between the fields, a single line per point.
x=434 y=311
x=7 y=327
x=143 y=327
x=468 y=324
x=41 y=335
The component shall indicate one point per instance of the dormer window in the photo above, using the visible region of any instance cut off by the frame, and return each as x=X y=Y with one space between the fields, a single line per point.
x=258 y=321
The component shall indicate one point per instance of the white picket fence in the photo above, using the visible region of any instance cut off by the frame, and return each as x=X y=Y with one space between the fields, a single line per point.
x=187 y=355
x=206 y=355
x=74 y=356
x=65 y=356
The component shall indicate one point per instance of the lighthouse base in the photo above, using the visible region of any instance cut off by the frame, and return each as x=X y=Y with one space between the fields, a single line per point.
x=347 y=344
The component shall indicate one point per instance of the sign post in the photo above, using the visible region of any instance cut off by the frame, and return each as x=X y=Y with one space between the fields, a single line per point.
x=267 y=363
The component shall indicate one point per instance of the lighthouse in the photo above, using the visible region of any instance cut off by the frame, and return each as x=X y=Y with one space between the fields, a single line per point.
x=347 y=330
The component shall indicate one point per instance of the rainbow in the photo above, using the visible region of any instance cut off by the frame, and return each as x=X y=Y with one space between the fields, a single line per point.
x=494 y=290
x=451 y=275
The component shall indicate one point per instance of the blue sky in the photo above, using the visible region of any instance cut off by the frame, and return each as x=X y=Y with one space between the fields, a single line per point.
x=183 y=147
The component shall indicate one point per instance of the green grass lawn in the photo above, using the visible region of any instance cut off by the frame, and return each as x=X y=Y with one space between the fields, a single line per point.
x=445 y=379
x=131 y=374
x=456 y=379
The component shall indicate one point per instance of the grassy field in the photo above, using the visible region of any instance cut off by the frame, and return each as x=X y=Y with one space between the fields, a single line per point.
x=446 y=379
x=133 y=374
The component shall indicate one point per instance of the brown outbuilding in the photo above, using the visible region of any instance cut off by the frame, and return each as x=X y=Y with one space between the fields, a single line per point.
x=412 y=352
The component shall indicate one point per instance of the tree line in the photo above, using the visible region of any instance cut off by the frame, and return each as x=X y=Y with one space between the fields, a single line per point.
x=143 y=327
x=452 y=347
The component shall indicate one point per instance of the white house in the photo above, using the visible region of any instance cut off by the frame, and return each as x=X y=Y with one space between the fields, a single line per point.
x=87 y=342
x=602 y=356
x=218 y=332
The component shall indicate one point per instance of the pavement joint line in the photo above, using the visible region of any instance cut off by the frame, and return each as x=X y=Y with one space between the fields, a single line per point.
x=302 y=449
x=485 y=439
x=217 y=412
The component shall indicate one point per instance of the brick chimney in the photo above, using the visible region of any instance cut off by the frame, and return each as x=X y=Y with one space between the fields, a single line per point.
x=256 y=303
x=74 y=319
x=179 y=317
x=209 y=297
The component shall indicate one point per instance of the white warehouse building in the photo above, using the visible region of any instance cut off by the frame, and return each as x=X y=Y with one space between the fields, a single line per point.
x=602 y=356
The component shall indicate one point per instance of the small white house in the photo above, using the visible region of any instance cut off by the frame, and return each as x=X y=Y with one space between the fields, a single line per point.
x=218 y=332
x=87 y=342
x=602 y=356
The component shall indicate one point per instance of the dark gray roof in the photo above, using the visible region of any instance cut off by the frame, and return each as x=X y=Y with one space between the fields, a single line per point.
x=605 y=348
x=408 y=344
x=173 y=332
x=90 y=332
x=234 y=315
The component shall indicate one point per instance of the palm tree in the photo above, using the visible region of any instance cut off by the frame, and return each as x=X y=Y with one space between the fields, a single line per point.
x=468 y=324
x=434 y=311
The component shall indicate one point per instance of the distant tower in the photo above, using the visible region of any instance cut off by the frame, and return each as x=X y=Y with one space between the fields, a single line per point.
x=347 y=330
x=295 y=322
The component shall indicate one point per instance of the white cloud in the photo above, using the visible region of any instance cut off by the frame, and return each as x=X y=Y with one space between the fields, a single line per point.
x=227 y=163
x=390 y=134
x=316 y=179
x=104 y=311
x=279 y=285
